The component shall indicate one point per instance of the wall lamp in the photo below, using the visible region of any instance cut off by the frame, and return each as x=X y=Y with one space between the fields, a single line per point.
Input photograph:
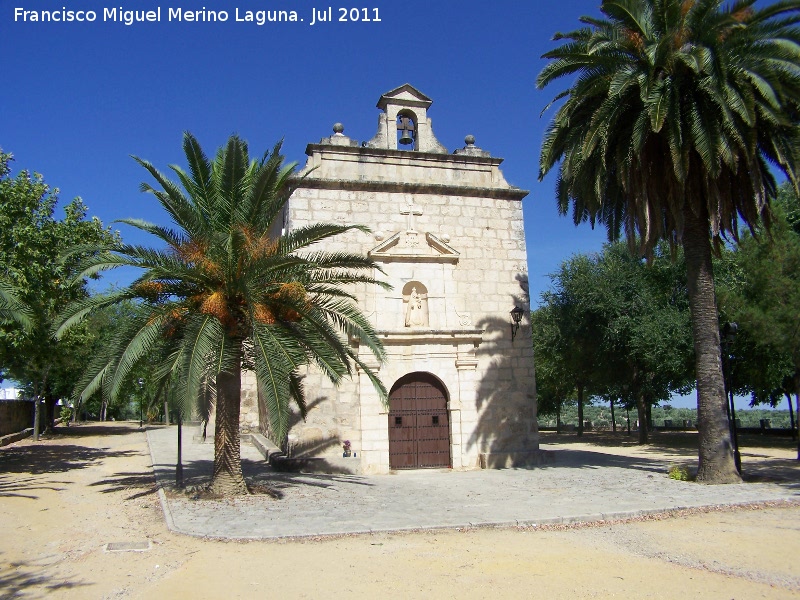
x=516 y=317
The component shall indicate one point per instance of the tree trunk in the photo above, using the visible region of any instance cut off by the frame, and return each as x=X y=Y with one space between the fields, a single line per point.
x=613 y=420
x=36 y=416
x=166 y=410
x=36 y=412
x=797 y=416
x=558 y=417
x=642 y=412
x=791 y=416
x=716 y=462
x=580 y=410
x=227 y=479
x=797 y=407
x=50 y=413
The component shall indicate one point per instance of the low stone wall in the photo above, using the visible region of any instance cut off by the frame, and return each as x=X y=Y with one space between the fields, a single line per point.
x=15 y=415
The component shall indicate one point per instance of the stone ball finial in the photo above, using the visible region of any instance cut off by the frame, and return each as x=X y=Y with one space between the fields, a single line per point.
x=469 y=140
x=338 y=128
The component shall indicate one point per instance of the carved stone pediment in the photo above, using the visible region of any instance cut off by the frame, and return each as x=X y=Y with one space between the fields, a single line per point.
x=407 y=95
x=413 y=246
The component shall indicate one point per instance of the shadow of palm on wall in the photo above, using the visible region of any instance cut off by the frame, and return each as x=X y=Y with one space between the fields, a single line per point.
x=506 y=411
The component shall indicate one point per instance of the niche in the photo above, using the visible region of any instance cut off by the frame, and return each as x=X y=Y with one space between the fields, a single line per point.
x=415 y=304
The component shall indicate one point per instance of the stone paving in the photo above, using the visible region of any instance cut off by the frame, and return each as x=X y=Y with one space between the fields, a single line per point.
x=578 y=486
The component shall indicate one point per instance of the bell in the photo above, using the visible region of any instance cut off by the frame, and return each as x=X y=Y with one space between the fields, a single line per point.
x=406 y=128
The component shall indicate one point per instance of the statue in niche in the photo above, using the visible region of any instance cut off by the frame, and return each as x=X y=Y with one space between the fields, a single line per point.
x=415 y=311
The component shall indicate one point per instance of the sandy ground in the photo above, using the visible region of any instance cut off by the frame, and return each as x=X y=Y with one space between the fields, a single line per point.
x=64 y=499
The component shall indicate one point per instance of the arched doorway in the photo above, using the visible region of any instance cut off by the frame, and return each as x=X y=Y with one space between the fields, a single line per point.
x=419 y=425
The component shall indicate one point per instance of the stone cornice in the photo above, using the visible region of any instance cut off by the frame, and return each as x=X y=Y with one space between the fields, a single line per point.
x=408 y=154
x=441 y=189
x=430 y=336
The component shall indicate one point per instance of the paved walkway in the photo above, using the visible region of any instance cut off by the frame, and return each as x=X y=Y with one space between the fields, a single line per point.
x=578 y=486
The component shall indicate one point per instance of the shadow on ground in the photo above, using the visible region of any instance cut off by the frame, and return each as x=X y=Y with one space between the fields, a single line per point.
x=141 y=484
x=671 y=448
x=54 y=454
x=17 y=578
x=95 y=428
x=52 y=458
x=589 y=459
x=197 y=473
x=278 y=482
x=672 y=442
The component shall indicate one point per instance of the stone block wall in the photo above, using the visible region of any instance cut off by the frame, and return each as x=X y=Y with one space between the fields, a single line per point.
x=474 y=274
x=15 y=415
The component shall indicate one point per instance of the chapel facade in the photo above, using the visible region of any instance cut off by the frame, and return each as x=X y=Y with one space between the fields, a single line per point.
x=447 y=230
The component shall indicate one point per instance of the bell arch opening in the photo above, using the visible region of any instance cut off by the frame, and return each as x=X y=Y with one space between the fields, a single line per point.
x=407 y=130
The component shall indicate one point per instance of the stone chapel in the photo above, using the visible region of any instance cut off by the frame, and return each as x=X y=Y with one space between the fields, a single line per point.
x=447 y=230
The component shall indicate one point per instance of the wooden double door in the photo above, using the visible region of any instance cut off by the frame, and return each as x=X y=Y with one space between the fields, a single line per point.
x=419 y=424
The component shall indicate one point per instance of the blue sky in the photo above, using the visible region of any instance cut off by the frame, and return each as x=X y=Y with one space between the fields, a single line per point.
x=79 y=98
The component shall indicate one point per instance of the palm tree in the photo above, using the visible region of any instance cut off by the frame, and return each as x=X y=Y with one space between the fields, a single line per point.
x=677 y=111
x=13 y=309
x=231 y=290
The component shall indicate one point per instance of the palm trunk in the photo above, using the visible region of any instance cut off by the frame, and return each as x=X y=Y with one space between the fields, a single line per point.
x=716 y=462
x=227 y=479
x=580 y=410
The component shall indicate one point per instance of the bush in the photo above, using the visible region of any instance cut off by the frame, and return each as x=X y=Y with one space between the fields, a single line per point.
x=680 y=473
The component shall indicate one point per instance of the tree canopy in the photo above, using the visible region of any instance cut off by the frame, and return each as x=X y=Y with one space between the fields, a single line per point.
x=763 y=296
x=39 y=284
x=615 y=327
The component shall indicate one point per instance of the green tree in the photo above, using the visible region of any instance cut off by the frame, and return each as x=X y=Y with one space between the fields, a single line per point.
x=107 y=325
x=569 y=329
x=667 y=131
x=617 y=326
x=647 y=342
x=31 y=239
x=765 y=301
x=555 y=388
x=231 y=291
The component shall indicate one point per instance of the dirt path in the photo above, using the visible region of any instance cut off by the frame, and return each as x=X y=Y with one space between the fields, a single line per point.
x=63 y=500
